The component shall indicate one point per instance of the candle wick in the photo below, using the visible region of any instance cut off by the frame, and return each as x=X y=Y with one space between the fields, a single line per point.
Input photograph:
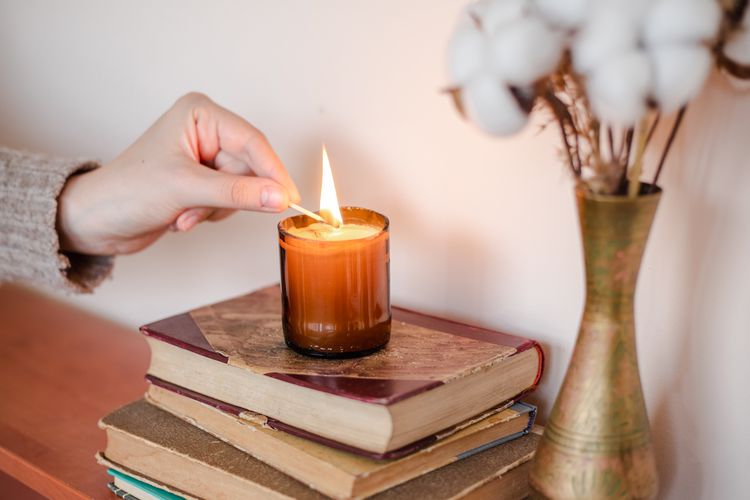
x=328 y=216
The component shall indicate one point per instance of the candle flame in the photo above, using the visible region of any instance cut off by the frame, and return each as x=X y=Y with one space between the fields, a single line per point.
x=329 y=203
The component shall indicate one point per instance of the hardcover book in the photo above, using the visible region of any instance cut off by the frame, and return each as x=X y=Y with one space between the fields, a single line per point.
x=338 y=473
x=432 y=375
x=146 y=445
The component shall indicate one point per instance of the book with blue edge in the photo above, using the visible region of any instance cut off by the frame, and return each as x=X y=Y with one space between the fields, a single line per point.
x=440 y=393
x=336 y=472
x=130 y=488
x=149 y=446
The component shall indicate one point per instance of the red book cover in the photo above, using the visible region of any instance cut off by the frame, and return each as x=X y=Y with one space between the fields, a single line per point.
x=425 y=352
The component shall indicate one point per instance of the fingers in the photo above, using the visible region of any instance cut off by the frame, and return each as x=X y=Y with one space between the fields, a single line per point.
x=190 y=218
x=220 y=214
x=211 y=188
x=187 y=220
x=225 y=162
x=223 y=131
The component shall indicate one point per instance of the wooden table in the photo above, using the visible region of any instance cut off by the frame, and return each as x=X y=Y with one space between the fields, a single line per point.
x=61 y=369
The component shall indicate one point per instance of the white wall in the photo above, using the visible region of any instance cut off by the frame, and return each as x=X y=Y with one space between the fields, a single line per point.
x=483 y=230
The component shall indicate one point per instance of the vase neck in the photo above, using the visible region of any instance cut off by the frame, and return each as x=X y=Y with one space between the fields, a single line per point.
x=614 y=231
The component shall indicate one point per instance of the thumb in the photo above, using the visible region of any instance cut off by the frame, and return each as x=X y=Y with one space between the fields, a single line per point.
x=211 y=188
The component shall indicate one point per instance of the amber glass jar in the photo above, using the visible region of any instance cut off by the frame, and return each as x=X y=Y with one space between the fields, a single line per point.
x=336 y=293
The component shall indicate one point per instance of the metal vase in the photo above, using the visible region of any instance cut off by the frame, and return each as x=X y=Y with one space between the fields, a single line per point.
x=597 y=442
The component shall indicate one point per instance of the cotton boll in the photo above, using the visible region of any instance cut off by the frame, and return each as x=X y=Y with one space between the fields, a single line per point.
x=611 y=30
x=618 y=88
x=492 y=107
x=671 y=21
x=567 y=14
x=737 y=47
x=525 y=51
x=499 y=13
x=478 y=9
x=468 y=52
x=635 y=10
x=678 y=74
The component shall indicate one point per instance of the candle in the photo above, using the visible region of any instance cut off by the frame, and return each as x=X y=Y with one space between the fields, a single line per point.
x=335 y=280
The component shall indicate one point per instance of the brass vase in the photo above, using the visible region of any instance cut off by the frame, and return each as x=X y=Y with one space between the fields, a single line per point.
x=597 y=442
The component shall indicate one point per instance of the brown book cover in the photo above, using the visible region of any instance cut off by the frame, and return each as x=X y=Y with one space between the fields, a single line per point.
x=433 y=374
x=339 y=473
x=158 y=448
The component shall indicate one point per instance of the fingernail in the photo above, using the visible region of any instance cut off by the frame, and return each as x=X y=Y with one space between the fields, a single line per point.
x=272 y=197
x=188 y=223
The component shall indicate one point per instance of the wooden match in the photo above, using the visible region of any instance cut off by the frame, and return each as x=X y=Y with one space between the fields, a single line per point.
x=307 y=212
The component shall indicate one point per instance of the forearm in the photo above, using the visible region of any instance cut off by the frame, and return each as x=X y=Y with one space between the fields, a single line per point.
x=30 y=251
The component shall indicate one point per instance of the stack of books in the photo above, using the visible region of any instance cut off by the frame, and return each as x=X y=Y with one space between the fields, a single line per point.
x=231 y=412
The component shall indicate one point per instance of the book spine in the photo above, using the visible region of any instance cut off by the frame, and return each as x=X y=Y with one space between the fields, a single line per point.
x=519 y=406
x=120 y=492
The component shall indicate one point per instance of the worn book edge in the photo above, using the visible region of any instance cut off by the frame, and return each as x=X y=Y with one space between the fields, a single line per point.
x=182 y=331
x=283 y=427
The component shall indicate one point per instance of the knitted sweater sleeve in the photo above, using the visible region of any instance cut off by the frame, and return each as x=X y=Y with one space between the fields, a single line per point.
x=29 y=247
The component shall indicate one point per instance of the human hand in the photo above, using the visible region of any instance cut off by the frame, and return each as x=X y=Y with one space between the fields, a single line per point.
x=197 y=162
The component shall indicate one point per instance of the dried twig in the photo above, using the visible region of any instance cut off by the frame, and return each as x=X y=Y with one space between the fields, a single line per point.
x=668 y=146
x=737 y=70
x=653 y=128
x=626 y=159
x=634 y=175
x=563 y=118
x=575 y=170
x=577 y=150
x=628 y=145
x=595 y=139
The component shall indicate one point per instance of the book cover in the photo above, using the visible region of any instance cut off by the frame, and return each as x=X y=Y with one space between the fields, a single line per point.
x=339 y=473
x=121 y=483
x=425 y=355
x=253 y=418
x=156 y=448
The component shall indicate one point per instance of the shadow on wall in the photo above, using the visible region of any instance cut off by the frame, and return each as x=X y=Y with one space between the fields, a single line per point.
x=707 y=187
x=675 y=402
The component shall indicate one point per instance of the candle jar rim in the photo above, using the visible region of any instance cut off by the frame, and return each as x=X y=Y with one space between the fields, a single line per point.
x=286 y=234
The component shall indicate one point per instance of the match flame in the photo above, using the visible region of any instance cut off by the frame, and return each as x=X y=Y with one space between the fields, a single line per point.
x=329 y=203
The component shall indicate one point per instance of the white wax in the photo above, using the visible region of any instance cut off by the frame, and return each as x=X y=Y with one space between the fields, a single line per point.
x=320 y=231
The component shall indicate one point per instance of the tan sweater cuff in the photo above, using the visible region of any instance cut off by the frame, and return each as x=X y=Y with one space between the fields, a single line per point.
x=29 y=245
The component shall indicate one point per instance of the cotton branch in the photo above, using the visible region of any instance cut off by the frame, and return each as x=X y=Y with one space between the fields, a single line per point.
x=560 y=110
x=668 y=146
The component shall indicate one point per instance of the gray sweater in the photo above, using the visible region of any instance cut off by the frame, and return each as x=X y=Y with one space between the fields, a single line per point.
x=29 y=246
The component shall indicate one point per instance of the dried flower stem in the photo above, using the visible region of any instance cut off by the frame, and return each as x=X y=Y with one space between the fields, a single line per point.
x=668 y=146
x=734 y=12
x=653 y=128
x=628 y=146
x=624 y=160
x=560 y=110
x=576 y=173
x=634 y=175
x=618 y=159
x=577 y=150
x=595 y=140
x=737 y=70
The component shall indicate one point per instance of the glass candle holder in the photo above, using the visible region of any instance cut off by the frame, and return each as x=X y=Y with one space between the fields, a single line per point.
x=335 y=284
